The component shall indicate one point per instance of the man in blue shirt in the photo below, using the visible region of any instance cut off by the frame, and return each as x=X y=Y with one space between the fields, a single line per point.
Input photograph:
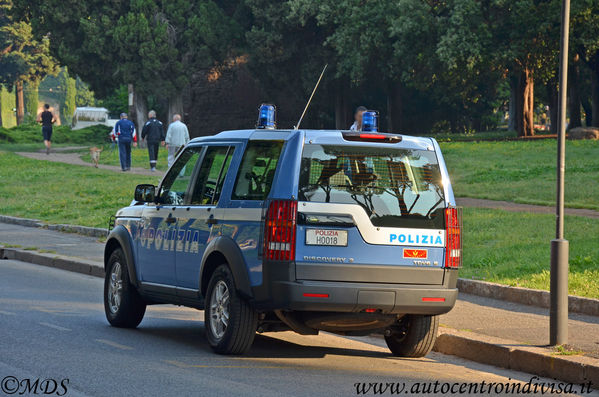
x=124 y=130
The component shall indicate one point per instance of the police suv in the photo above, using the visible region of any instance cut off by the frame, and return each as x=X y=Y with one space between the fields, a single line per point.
x=306 y=230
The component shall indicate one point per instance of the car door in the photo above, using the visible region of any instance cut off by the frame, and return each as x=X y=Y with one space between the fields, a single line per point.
x=196 y=222
x=156 y=250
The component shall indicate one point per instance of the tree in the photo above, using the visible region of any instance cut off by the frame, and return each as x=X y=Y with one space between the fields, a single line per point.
x=287 y=48
x=70 y=87
x=117 y=102
x=585 y=42
x=31 y=100
x=23 y=59
x=515 y=38
x=361 y=39
x=84 y=97
x=152 y=44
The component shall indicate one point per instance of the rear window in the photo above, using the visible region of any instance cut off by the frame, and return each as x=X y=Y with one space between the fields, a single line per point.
x=257 y=170
x=396 y=187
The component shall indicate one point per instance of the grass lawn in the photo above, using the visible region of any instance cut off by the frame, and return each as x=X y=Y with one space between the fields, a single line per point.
x=513 y=248
x=524 y=171
x=139 y=157
x=62 y=193
x=504 y=247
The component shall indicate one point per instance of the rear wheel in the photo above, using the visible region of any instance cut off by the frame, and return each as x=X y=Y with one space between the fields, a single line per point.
x=413 y=336
x=229 y=319
x=122 y=304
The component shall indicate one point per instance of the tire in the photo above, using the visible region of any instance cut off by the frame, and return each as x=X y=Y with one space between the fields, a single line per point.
x=123 y=306
x=235 y=334
x=413 y=336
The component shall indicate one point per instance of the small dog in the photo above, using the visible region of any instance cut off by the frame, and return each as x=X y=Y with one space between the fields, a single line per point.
x=95 y=155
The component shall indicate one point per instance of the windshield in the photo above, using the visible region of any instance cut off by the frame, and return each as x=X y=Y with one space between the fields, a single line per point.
x=396 y=187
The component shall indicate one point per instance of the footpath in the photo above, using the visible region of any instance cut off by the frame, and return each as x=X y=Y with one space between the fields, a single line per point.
x=491 y=331
x=75 y=159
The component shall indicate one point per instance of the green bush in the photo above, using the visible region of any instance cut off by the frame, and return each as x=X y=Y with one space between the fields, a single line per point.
x=32 y=133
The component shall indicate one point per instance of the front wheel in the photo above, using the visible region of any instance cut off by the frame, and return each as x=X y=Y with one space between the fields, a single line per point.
x=229 y=319
x=122 y=304
x=413 y=335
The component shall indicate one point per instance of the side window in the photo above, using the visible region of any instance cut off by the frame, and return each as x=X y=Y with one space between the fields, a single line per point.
x=211 y=175
x=174 y=188
x=257 y=170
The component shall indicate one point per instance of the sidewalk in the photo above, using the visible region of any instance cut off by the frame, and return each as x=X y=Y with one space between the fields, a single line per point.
x=517 y=207
x=75 y=159
x=67 y=244
x=474 y=318
x=528 y=325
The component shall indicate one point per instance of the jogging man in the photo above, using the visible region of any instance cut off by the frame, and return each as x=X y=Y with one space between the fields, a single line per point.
x=124 y=131
x=177 y=135
x=153 y=133
x=47 y=119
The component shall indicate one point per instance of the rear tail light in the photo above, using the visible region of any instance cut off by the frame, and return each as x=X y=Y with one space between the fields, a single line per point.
x=279 y=230
x=453 y=237
x=371 y=137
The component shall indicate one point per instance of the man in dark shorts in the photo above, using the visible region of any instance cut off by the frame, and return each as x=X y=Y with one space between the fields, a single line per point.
x=47 y=119
x=153 y=133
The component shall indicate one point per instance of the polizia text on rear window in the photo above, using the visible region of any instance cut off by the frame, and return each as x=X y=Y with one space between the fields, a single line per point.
x=396 y=187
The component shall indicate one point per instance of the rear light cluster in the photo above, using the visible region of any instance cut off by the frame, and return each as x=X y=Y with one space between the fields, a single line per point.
x=279 y=230
x=453 y=237
x=371 y=137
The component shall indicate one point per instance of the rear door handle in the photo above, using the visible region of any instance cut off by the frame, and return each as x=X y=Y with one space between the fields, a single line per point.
x=170 y=219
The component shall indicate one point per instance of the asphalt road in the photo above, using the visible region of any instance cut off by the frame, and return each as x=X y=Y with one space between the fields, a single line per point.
x=52 y=326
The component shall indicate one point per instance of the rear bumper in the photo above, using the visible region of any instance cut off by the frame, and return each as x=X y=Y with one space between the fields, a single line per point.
x=356 y=297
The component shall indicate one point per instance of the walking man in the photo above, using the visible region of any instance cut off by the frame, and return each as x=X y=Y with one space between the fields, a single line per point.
x=153 y=133
x=177 y=135
x=47 y=119
x=124 y=131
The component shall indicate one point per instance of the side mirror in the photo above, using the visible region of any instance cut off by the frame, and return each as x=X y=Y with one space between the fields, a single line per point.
x=145 y=193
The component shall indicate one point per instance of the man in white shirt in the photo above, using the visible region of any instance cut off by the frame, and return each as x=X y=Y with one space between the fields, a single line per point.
x=177 y=135
x=357 y=125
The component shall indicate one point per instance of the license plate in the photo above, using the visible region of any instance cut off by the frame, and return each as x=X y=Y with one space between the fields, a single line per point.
x=326 y=237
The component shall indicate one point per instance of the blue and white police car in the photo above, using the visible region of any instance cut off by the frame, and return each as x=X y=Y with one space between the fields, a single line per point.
x=269 y=230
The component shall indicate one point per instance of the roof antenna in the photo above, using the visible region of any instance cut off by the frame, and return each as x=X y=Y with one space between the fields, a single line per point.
x=310 y=100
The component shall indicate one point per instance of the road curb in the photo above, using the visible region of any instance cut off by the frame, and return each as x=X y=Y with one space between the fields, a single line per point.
x=83 y=230
x=468 y=345
x=515 y=356
x=526 y=296
x=77 y=265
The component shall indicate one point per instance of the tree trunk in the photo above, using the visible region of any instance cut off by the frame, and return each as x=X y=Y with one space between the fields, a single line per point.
x=0 y=105
x=342 y=111
x=453 y=123
x=553 y=101
x=394 y=108
x=511 y=126
x=525 y=104
x=140 y=111
x=130 y=104
x=588 y=111
x=20 y=105
x=31 y=100
x=595 y=95
x=175 y=106
x=574 y=94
